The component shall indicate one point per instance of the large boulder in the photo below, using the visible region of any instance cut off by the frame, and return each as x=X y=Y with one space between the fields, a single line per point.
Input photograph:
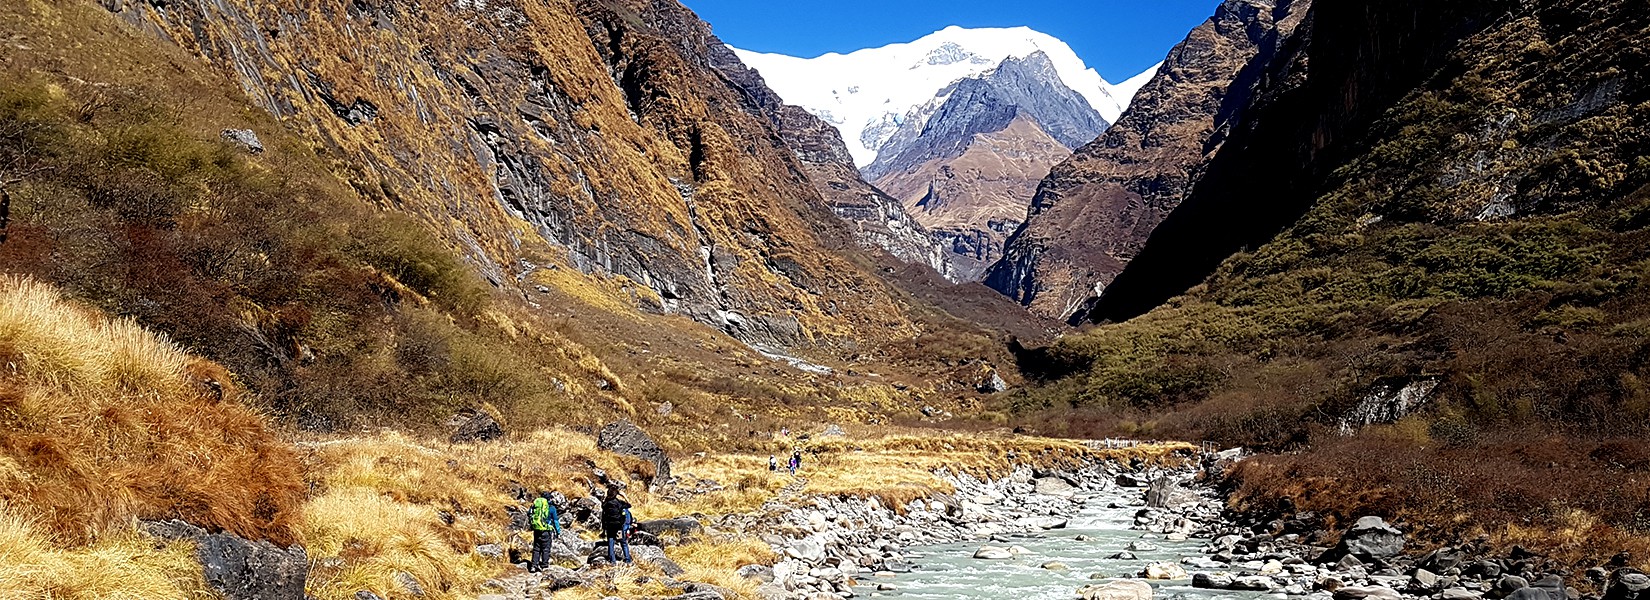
x=993 y=553
x=1373 y=592
x=471 y=425
x=1372 y=537
x=1123 y=589
x=624 y=437
x=1165 y=493
x=1053 y=486
x=1628 y=584
x=681 y=528
x=1164 y=570
x=238 y=568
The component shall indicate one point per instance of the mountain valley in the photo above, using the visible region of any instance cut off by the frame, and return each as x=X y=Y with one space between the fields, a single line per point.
x=312 y=299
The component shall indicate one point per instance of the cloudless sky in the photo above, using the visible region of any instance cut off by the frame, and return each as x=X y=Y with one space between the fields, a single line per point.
x=1118 y=38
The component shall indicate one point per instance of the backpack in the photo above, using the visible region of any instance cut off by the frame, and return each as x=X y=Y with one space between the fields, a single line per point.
x=540 y=516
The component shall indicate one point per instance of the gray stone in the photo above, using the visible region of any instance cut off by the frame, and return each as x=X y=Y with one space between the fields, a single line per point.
x=1372 y=537
x=1456 y=593
x=1165 y=493
x=245 y=138
x=993 y=553
x=624 y=437
x=680 y=527
x=471 y=425
x=1627 y=584
x=1212 y=581
x=561 y=578
x=409 y=584
x=238 y=568
x=806 y=549
x=1367 y=593
x=1053 y=486
x=490 y=551
x=761 y=573
x=1125 y=589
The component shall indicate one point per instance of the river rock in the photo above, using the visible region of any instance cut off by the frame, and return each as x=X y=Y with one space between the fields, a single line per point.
x=993 y=553
x=1055 y=565
x=1122 y=556
x=1367 y=593
x=806 y=549
x=1164 y=570
x=762 y=573
x=1372 y=537
x=1423 y=579
x=1627 y=584
x=1457 y=593
x=1054 y=486
x=624 y=437
x=1126 y=589
x=1141 y=547
x=1165 y=493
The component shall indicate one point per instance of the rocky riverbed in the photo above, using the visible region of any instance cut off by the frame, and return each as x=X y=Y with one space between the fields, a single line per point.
x=1102 y=531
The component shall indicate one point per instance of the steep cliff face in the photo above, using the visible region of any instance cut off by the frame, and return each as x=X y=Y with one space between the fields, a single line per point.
x=876 y=220
x=968 y=167
x=1341 y=70
x=1094 y=211
x=601 y=127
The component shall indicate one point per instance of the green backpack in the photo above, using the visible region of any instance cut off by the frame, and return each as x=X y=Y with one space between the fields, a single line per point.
x=540 y=517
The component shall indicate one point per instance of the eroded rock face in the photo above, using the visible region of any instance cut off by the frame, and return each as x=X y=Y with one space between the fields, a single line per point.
x=238 y=568
x=1095 y=211
x=601 y=125
x=624 y=437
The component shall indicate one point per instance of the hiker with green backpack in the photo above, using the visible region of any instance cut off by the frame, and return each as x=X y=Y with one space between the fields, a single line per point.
x=546 y=525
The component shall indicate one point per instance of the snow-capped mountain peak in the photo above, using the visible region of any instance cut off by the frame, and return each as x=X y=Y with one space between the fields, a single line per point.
x=868 y=93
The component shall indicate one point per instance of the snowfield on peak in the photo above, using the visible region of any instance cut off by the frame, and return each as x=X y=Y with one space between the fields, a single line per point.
x=867 y=94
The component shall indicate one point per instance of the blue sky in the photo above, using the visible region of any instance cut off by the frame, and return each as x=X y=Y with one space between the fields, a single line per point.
x=1119 y=38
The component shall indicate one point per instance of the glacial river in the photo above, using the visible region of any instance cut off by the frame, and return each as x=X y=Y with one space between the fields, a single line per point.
x=949 y=572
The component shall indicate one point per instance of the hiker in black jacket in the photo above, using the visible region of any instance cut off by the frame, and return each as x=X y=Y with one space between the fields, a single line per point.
x=616 y=523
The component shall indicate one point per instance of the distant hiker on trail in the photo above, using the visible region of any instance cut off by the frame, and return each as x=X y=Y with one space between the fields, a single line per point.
x=773 y=464
x=546 y=524
x=796 y=461
x=616 y=523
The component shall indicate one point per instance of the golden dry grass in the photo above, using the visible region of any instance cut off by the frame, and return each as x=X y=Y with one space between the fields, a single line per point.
x=378 y=503
x=123 y=565
x=895 y=469
x=102 y=421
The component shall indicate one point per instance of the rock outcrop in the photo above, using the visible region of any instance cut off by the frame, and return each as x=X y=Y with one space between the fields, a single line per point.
x=624 y=437
x=1095 y=211
x=240 y=569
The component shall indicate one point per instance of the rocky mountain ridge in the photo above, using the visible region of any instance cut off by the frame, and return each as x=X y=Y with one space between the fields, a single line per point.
x=1094 y=212
x=968 y=169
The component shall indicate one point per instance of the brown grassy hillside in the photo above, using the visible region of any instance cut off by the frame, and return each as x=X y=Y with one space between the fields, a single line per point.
x=1489 y=234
